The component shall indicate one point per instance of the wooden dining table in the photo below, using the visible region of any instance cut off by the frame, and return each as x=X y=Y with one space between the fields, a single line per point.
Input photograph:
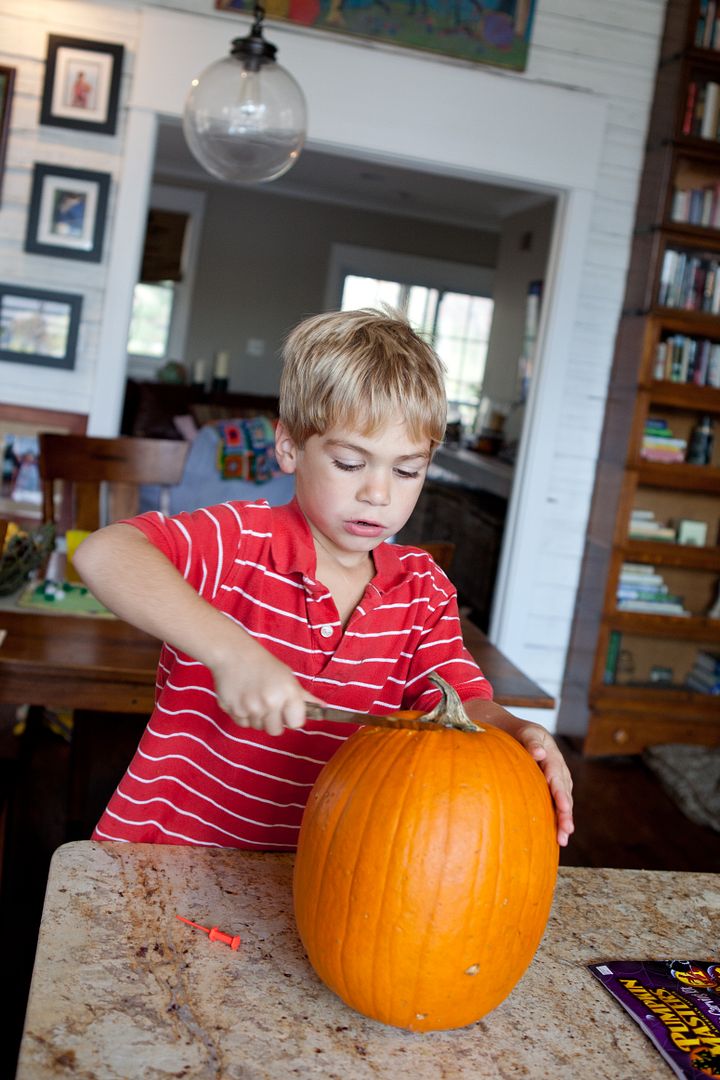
x=106 y=665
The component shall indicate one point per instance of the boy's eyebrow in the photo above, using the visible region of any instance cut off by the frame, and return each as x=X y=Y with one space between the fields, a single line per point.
x=364 y=450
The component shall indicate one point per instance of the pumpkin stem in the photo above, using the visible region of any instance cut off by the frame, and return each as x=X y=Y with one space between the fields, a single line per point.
x=449 y=711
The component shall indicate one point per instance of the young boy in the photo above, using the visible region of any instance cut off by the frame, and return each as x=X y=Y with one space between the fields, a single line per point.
x=264 y=609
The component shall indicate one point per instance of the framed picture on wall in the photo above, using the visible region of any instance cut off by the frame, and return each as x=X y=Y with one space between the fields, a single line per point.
x=67 y=212
x=495 y=32
x=38 y=326
x=7 y=82
x=82 y=84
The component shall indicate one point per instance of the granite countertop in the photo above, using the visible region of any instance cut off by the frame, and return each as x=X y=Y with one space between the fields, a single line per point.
x=122 y=989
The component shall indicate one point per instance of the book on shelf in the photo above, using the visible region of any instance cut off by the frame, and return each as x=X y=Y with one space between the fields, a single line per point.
x=635 y=592
x=707 y=32
x=646 y=592
x=640 y=579
x=659 y=444
x=698 y=205
x=702 y=109
x=689 y=281
x=690 y=101
x=708 y=661
x=655 y=585
x=652 y=530
x=703 y=686
x=667 y=606
x=611 y=657
x=711 y=111
x=683 y=359
x=644 y=526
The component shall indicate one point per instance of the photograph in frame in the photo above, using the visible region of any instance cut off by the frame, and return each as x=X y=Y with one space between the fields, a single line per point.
x=67 y=212
x=38 y=326
x=82 y=84
x=7 y=83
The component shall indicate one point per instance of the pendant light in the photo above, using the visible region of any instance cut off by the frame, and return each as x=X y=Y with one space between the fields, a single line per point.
x=245 y=116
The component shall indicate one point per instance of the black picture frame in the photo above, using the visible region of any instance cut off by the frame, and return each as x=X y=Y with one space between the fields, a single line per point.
x=39 y=326
x=82 y=84
x=67 y=214
x=7 y=85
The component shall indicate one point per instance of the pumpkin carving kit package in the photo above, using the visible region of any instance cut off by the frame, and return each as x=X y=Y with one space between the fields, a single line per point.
x=677 y=1005
x=425 y=873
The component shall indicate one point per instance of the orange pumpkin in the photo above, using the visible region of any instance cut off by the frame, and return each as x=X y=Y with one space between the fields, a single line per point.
x=425 y=873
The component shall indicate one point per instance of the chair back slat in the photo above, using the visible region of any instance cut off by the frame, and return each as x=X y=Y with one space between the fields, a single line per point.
x=84 y=510
x=125 y=459
x=90 y=481
x=442 y=551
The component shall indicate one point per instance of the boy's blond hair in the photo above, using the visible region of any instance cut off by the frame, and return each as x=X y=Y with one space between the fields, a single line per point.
x=360 y=368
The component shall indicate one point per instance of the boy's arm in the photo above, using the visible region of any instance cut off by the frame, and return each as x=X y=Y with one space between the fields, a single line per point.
x=140 y=585
x=542 y=747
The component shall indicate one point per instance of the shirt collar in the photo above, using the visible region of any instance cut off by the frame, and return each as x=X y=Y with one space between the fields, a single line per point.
x=293 y=549
x=292 y=544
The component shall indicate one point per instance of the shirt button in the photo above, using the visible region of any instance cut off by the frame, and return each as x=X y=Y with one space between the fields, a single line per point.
x=326 y=631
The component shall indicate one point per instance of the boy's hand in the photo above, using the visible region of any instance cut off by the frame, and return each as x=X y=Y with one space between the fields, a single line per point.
x=541 y=746
x=263 y=694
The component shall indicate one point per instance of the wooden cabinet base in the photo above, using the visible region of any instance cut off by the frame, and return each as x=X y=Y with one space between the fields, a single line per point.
x=619 y=732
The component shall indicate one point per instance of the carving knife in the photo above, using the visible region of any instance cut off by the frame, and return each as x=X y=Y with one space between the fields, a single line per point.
x=448 y=713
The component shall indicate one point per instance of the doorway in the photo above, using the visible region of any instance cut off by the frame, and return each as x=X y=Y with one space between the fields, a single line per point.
x=270 y=255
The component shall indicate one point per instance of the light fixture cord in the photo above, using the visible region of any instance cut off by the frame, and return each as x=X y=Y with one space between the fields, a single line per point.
x=258 y=15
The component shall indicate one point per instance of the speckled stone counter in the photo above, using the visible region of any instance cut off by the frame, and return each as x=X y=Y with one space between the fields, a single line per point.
x=122 y=989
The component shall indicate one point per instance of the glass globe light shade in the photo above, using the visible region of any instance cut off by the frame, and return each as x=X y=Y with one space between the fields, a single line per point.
x=245 y=116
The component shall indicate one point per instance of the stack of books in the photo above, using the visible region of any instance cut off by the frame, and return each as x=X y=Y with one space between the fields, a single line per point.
x=683 y=359
x=704 y=675
x=707 y=27
x=659 y=444
x=641 y=589
x=643 y=526
x=702 y=110
x=690 y=281
x=697 y=206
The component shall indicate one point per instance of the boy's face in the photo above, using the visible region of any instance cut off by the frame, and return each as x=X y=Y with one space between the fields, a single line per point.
x=355 y=490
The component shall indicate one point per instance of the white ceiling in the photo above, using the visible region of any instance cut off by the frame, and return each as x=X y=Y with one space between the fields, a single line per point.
x=370 y=185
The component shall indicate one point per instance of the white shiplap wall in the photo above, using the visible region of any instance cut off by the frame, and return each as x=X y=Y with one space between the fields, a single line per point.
x=611 y=49
x=24 y=27
x=608 y=49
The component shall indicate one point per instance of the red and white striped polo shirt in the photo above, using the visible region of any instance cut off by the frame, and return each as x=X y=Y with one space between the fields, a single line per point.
x=198 y=778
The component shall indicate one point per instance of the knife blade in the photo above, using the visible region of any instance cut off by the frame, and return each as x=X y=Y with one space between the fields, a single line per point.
x=412 y=720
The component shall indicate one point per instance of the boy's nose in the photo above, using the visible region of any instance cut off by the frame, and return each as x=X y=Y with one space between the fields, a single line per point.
x=375 y=490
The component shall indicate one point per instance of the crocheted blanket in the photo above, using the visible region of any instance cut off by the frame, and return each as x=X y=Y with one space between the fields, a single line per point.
x=246 y=449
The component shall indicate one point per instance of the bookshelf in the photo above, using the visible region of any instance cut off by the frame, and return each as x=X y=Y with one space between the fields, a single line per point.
x=653 y=671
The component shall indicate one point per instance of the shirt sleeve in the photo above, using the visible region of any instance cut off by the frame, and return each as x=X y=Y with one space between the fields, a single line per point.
x=441 y=649
x=201 y=545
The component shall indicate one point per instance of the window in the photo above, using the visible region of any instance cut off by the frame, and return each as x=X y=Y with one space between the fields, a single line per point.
x=161 y=299
x=456 y=324
x=151 y=319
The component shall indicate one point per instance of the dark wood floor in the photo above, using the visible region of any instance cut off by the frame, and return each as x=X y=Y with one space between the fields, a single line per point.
x=624 y=819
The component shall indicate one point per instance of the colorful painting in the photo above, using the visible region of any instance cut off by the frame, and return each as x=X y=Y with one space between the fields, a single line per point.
x=493 y=32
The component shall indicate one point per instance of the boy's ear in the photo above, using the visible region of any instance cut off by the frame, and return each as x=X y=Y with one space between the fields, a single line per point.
x=286 y=450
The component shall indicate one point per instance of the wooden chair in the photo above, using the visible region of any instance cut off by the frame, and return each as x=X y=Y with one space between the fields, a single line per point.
x=99 y=479
x=87 y=483
x=442 y=551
